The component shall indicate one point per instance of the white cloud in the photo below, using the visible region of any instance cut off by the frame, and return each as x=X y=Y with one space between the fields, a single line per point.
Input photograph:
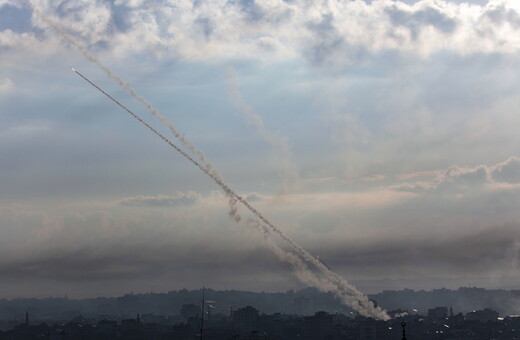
x=27 y=129
x=9 y=3
x=468 y=178
x=6 y=85
x=180 y=198
x=318 y=31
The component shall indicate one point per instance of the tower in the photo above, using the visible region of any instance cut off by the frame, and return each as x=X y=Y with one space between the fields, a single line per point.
x=202 y=315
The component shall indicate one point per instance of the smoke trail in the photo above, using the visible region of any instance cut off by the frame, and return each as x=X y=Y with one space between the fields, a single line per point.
x=347 y=293
x=204 y=164
x=300 y=268
x=127 y=87
x=278 y=142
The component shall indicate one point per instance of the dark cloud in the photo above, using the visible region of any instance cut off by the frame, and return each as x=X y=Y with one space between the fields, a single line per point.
x=327 y=40
x=252 y=10
x=416 y=21
x=133 y=261
x=500 y=15
x=103 y=247
x=120 y=15
x=474 y=253
x=206 y=26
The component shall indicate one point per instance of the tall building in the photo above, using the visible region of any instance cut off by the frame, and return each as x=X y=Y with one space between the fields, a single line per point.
x=438 y=313
x=482 y=315
x=318 y=326
x=246 y=319
x=371 y=329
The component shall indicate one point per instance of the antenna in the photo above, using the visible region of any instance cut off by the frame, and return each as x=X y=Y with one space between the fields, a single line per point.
x=202 y=315
x=210 y=304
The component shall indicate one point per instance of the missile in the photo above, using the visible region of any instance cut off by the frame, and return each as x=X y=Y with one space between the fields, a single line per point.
x=319 y=259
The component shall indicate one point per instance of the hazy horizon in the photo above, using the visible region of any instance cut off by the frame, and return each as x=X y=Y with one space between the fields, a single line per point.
x=367 y=287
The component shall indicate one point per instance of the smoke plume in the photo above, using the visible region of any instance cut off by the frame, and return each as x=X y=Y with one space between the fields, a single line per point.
x=341 y=288
x=282 y=151
x=347 y=293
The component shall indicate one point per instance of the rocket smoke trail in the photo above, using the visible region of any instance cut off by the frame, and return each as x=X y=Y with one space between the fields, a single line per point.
x=178 y=135
x=344 y=291
x=336 y=284
x=281 y=154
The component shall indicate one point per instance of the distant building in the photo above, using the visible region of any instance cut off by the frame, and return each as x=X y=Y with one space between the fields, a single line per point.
x=438 y=313
x=246 y=319
x=128 y=304
x=107 y=323
x=371 y=329
x=183 y=331
x=190 y=311
x=482 y=315
x=318 y=326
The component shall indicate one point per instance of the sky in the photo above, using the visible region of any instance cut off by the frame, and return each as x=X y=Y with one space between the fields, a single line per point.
x=382 y=136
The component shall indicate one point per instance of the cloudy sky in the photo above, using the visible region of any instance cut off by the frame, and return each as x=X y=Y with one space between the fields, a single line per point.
x=381 y=135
